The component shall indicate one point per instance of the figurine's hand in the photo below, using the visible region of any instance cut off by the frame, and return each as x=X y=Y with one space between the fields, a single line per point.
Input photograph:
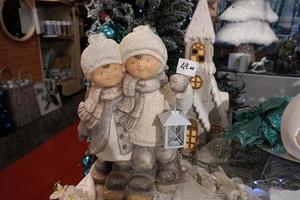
x=83 y=131
x=179 y=82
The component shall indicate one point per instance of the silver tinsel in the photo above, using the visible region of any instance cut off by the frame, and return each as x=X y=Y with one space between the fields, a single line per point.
x=93 y=9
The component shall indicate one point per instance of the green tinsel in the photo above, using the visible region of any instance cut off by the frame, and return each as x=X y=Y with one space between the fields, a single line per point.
x=260 y=125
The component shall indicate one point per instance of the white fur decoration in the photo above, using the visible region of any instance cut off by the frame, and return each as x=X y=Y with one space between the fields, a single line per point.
x=249 y=32
x=244 y=10
x=201 y=25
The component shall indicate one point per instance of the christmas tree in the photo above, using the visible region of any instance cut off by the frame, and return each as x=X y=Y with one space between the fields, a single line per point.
x=168 y=18
x=249 y=24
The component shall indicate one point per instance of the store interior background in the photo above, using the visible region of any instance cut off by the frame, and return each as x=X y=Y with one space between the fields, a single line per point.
x=19 y=55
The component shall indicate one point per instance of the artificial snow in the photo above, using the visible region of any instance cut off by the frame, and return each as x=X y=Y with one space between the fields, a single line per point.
x=244 y=10
x=276 y=194
x=201 y=25
x=249 y=32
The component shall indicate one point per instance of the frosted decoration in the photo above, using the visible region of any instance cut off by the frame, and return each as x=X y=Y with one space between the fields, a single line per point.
x=250 y=32
x=244 y=10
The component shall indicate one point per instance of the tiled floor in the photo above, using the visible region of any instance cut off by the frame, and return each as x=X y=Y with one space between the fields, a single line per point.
x=29 y=137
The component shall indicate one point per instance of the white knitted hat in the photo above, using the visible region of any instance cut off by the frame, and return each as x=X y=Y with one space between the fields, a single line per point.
x=143 y=41
x=101 y=51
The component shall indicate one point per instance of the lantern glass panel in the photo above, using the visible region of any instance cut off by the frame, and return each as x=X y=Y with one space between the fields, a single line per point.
x=176 y=136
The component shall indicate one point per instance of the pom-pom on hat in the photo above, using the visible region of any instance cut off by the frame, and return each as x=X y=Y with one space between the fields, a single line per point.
x=100 y=51
x=144 y=41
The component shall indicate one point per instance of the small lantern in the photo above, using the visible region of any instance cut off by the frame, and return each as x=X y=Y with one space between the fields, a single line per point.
x=174 y=127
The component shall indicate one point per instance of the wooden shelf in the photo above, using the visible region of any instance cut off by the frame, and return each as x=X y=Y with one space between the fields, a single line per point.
x=65 y=2
x=65 y=81
x=297 y=74
x=59 y=37
x=64 y=10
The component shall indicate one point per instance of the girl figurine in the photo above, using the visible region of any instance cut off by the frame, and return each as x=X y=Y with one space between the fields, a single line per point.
x=101 y=63
x=145 y=88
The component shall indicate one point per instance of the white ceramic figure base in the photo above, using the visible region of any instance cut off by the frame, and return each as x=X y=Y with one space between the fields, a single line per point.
x=196 y=183
x=284 y=194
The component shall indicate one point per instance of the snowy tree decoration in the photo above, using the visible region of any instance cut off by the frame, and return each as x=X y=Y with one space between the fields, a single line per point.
x=248 y=24
x=244 y=10
x=254 y=31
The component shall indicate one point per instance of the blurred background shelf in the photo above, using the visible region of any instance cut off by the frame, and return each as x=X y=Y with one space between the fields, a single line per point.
x=58 y=37
x=64 y=2
x=59 y=41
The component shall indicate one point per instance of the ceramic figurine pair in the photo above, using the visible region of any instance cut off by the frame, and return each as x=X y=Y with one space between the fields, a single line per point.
x=128 y=91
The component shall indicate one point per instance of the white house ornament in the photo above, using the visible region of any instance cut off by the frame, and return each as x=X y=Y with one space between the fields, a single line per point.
x=210 y=105
x=290 y=127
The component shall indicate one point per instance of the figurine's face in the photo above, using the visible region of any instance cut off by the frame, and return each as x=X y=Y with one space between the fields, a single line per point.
x=143 y=66
x=108 y=75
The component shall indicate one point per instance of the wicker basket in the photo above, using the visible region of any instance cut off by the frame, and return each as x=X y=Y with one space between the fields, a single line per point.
x=23 y=104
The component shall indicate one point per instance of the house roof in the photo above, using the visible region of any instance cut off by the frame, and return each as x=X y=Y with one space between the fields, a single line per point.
x=173 y=118
x=201 y=25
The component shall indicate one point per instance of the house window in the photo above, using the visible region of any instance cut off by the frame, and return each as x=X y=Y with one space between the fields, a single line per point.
x=216 y=129
x=196 y=82
x=192 y=140
x=197 y=52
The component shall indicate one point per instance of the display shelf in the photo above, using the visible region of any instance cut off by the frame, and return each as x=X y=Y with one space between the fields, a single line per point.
x=58 y=37
x=65 y=80
x=65 y=44
x=296 y=74
x=64 y=2
x=260 y=87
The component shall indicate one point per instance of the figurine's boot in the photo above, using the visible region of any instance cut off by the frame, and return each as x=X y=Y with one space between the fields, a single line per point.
x=116 y=182
x=168 y=170
x=141 y=185
x=100 y=171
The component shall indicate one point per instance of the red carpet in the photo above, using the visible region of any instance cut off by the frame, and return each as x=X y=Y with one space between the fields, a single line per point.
x=32 y=177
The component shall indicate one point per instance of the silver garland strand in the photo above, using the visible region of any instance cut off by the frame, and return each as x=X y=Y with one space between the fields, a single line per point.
x=93 y=9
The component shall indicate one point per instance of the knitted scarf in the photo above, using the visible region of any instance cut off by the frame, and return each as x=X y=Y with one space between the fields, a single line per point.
x=97 y=111
x=91 y=109
x=133 y=102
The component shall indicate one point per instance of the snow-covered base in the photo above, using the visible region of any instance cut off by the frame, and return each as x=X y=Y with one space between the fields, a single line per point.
x=196 y=183
x=249 y=32
x=284 y=194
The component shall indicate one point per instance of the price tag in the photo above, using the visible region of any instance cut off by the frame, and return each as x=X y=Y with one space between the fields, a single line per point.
x=187 y=67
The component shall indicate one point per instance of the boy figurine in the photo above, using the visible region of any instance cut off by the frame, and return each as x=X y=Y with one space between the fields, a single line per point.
x=101 y=62
x=144 y=87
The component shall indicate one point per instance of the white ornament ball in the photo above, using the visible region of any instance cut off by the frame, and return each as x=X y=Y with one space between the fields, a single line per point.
x=290 y=127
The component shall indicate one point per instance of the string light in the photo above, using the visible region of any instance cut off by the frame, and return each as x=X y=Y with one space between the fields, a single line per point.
x=276 y=181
